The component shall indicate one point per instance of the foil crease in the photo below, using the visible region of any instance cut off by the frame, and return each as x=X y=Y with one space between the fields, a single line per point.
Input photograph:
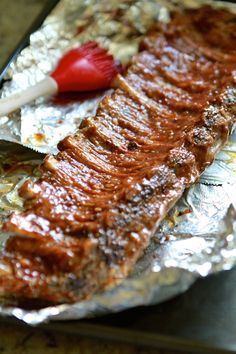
x=197 y=237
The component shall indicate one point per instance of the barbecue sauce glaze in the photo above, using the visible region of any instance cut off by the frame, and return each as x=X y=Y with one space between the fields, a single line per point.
x=99 y=201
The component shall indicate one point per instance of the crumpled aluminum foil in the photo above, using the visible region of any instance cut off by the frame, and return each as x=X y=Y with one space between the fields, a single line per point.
x=42 y=124
x=198 y=236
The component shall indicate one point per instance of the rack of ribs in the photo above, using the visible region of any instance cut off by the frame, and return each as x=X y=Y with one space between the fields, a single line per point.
x=98 y=202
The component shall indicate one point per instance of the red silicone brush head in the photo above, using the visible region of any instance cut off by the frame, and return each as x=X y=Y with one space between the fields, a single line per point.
x=87 y=68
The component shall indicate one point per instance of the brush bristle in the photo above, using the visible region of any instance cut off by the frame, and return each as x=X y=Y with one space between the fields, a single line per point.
x=100 y=57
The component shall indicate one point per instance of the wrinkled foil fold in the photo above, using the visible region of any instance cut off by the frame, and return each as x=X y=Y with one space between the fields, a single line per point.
x=197 y=237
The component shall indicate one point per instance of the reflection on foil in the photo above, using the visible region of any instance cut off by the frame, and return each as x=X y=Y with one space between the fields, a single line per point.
x=198 y=236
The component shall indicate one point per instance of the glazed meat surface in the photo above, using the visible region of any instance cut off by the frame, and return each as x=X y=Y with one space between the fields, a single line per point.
x=90 y=216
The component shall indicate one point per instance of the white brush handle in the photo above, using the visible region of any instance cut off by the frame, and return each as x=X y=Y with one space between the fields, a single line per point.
x=46 y=87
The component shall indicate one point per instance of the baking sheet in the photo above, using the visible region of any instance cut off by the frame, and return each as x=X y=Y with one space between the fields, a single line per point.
x=31 y=25
x=202 y=320
x=176 y=263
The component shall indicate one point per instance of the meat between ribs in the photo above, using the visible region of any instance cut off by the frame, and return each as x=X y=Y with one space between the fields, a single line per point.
x=90 y=216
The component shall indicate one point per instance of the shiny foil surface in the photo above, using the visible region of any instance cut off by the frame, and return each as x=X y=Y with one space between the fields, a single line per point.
x=197 y=237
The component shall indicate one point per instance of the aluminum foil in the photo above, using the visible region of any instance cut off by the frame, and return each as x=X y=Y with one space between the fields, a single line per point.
x=198 y=236
x=42 y=124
